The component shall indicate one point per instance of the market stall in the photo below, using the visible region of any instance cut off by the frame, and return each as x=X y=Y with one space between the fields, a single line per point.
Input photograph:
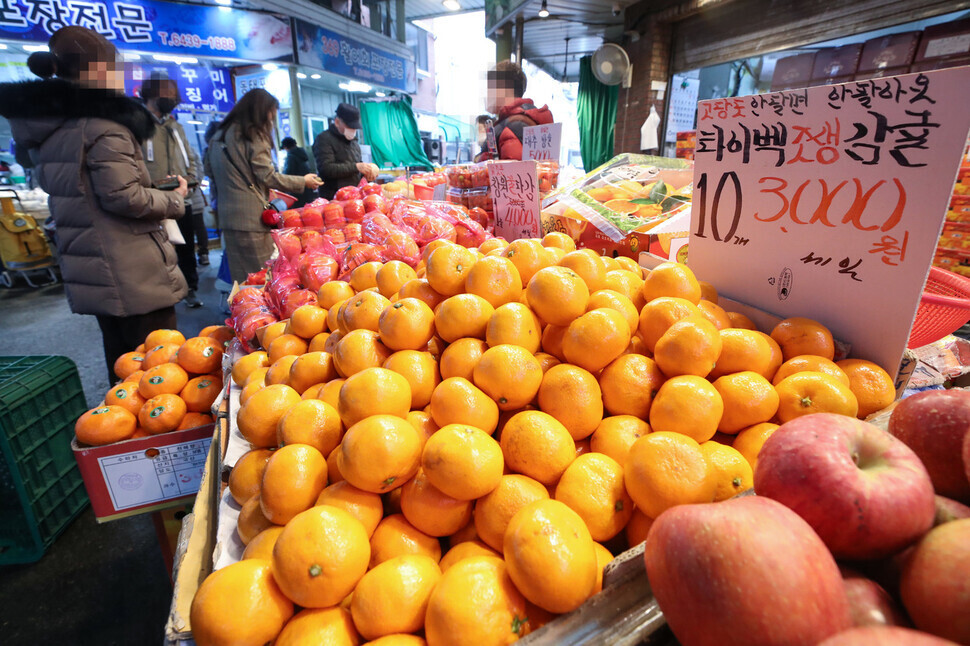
x=430 y=433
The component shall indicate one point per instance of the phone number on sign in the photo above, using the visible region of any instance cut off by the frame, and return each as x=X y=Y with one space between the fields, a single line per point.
x=196 y=42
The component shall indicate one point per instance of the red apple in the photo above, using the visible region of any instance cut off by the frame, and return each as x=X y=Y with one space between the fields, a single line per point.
x=742 y=571
x=333 y=215
x=347 y=193
x=375 y=203
x=354 y=210
x=884 y=636
x=947 y=510
x=291 y=218
x=934 y=424
x=966 y=455
x=935 y=586
x=313 y=215
x=864 y=492
x=372 y=189
x=869 y=603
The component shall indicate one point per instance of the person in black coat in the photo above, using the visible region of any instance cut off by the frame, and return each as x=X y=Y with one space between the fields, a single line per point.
x=337 y=153
x=297 y=163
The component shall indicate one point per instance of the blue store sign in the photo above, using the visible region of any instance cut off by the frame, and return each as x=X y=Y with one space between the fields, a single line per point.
x=151 y=26
x=202 y=88
x=327 y=50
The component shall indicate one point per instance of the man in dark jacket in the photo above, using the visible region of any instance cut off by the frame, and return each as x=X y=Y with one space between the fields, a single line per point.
x=297 y=163
x=337 y=153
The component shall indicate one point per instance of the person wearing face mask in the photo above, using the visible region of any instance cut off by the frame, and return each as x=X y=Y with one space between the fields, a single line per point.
x=167 y=154
x=84 y=137
x=337 y=153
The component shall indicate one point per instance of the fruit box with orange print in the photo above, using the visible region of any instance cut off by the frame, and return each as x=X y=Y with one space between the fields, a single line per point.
x=144 y=474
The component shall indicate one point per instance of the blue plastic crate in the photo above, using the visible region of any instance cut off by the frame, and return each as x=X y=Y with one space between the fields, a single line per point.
x=41 y=490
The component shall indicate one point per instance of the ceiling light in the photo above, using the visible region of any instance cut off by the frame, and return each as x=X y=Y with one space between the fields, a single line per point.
x=269 y=67
x=178 y=60
x=224 y=3
x=354 y=86
x=224 y=9
x=451 y=5
x=194 y=122
x=315 y=76
x=36 y=48
x=543 y=10
x=300 y=75
x=2 y=46
x=380 y=94
x=132 y=57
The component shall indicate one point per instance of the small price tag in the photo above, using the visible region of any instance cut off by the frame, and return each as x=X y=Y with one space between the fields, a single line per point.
x=135 y=479
x=542 y=143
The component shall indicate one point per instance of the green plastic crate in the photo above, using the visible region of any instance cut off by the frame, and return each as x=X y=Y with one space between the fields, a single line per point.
x=41 y=490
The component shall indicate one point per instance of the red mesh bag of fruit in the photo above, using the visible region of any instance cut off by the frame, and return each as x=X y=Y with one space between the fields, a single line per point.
x=315 y=269
x=356 y=255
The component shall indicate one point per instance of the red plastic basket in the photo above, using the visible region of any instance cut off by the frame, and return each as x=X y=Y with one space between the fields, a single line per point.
x=943 y=309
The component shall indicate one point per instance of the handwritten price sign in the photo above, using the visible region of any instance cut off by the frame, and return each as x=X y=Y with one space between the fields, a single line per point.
x=515 y=198
x=542 y=143
x=827 y=202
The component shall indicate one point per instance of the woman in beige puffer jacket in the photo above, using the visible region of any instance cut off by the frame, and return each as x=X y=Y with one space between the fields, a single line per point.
x=84 y=137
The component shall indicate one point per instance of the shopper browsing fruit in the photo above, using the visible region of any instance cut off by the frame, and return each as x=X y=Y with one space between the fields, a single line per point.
x=506 y=87
x=85 y=137
x=337 y=153
x=240 y=164
x=169 y=154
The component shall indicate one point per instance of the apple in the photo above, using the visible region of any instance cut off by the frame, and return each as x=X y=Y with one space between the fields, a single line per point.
x=966 y=455
x=742 y=571
x=948 y=510
x=313 y=215
x=864 y=492
x=375 y=203
x=347 y=193
x=291 y=218
x=354 y=210
x=884 y=636
x=935 y=424
x=869 y=603
x=935 y=586
x=372 y=189
x=333 y=215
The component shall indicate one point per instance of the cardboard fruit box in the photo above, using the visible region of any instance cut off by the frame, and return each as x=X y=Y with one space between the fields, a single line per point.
x=142 y=475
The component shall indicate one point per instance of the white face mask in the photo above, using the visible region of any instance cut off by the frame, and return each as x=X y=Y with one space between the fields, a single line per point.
x=350 y=134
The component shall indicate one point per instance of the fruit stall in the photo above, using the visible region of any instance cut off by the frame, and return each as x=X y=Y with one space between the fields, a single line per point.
x=422 y=433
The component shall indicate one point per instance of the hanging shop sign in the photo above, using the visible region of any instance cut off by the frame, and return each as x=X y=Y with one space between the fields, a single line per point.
x=828 y=202
x=152 y=26
x=276 y=82
x=208 y=89
x=327 y=50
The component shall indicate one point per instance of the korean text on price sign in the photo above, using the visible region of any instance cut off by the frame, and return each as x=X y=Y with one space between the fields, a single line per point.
x=515 y=197
x=542 y=143
x=827 y=202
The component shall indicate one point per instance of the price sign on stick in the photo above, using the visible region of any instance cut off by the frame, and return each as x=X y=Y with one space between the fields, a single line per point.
x=541 y=143
x=827 y=202
x=515 y=198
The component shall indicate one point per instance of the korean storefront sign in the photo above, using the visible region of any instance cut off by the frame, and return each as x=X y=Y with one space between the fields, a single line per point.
x=330 y=51
x=276 y=82
x=828 y=202
x=152 y=26
x=202 y=88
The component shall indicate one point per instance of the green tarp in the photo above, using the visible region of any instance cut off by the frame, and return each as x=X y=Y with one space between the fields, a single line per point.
x=392 y=133
x=596 y=113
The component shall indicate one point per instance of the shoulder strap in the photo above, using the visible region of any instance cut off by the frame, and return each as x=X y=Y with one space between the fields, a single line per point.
x=252 y=184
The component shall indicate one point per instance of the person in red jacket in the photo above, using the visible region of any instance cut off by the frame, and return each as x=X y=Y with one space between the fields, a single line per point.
x=506 y=87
